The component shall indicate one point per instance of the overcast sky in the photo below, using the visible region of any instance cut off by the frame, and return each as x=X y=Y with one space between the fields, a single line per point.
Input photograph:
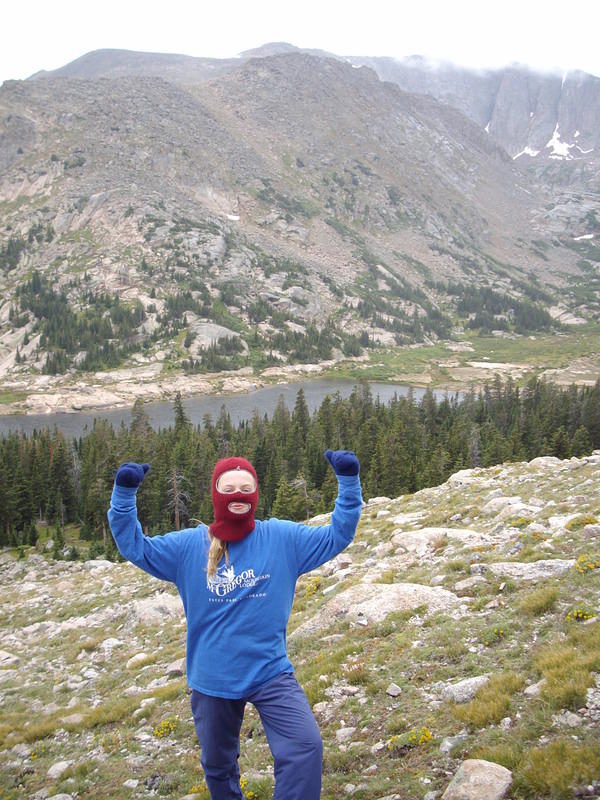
x=550 y=35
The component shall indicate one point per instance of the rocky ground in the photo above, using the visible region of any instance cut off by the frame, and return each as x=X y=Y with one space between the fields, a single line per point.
x=452 y=651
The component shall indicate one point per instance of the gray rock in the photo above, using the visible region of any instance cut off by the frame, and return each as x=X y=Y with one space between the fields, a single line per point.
x=73 y=719
x=479 y=780
x=567 y=718
x=423 y=540
x=533 y=570
x=176 y=669
x=393 y=690
x=451 y=741
x=464 y=690
x=8 y=659
x=344 y=734
x=498 y=504
x=58 y=769
x=372 y=602
x=136 y=660
x=161 y=607
x=534 y=689
x=468 y=583
x=591 y=531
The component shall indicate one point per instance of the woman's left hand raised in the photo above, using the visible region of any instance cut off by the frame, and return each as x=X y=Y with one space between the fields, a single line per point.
x=344 y=462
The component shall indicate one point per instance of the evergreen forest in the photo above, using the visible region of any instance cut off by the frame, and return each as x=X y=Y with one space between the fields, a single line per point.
x=50 y=482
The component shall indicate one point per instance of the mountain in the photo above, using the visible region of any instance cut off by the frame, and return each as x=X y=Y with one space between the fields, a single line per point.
x=457 y=635
x=291 y=207
x=526 y=112
x=112 y=63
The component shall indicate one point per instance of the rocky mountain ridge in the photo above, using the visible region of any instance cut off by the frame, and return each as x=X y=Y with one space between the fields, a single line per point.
x=341 y=205
x=527 y=112
x=456 y=642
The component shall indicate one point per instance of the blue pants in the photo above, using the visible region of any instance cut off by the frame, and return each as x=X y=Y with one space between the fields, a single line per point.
x=292 y=733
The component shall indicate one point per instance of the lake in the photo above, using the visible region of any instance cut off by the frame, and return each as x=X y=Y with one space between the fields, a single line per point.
x=239 y=406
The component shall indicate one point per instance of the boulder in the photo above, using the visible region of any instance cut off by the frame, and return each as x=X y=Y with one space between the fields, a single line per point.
x=532 y=570
x=465 y=690
x=479 y=780
x=371 y=603
x=155 y=610
x=59 y=768
x=136 y=660
x=419 y=542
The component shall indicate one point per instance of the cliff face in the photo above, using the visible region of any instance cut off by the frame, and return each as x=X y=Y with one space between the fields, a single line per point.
x=527 y=113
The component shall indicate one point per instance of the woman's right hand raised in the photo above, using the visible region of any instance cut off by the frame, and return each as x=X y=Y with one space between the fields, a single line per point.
x=131 y=474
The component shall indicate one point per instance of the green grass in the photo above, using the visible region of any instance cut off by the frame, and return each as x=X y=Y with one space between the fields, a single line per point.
x=544 y=351
x=540 y=601
x=492 y=702
x=8 y=397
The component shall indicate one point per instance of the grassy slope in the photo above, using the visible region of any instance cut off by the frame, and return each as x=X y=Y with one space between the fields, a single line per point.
x=516 y=630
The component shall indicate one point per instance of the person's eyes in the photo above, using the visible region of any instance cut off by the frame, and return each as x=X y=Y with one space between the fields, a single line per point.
x=226 y=489
x=247 y=489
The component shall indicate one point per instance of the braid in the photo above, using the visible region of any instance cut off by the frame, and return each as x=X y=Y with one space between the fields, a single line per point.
x=217 y=550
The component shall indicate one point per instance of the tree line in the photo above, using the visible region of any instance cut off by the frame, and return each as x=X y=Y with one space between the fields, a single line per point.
x=403 y=446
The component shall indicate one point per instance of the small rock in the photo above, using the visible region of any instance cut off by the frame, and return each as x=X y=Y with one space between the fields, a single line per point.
x=535 y=688
x=393 y=690
x=176 y=669
x=72 y=719
x=467 y=583
x=8 y=659
x=506 y=723
x=349 y=788
x=431 y=796
x=567 y=718
x=131 y=783
x=136 y=660
x=477 y=779
x=591 y=531
x=464 y=690
x=344 y=734
x=451 y=741
x=57 y=769
x=478 y=569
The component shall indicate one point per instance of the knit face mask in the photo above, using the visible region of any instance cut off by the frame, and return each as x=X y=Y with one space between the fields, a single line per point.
x=233 y=525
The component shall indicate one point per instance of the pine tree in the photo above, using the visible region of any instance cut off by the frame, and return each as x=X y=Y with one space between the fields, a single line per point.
x=581 y=444
x=289 y=501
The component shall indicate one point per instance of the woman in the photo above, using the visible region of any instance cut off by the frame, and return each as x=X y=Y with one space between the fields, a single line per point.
x=236 y=580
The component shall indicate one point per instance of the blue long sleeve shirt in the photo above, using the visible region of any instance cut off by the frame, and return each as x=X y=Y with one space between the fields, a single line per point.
x=237 y=620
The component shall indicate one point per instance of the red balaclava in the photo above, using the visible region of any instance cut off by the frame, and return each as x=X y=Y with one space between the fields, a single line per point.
x=228 y=526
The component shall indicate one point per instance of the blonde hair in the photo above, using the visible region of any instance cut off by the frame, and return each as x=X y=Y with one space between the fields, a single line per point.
x=216 y=551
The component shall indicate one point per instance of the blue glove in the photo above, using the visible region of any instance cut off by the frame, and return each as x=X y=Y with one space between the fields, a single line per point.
x=344 y=462
x=131 y=474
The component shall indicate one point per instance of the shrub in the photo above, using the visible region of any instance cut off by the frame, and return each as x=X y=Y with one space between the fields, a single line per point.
x=540 y=601
x=492 y=702
x=553 y=770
